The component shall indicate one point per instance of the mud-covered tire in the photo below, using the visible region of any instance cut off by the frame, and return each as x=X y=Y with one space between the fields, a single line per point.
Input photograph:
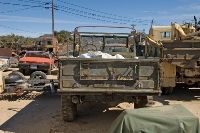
x=38 y=75
x=167 y=90
x=13 y=77
x=69 y=109
x=144 y=101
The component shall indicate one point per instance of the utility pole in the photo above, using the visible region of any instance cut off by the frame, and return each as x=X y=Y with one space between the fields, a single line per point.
x=53 y=18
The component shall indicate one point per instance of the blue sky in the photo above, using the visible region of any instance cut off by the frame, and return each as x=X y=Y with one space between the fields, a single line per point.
x=30 y=18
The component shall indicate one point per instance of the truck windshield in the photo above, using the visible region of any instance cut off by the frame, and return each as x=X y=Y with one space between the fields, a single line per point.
x=99 y=41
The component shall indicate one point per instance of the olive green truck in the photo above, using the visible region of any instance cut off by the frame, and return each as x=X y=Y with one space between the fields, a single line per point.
x=109 y=80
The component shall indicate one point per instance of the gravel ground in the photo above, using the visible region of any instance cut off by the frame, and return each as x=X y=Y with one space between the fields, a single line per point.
x=41 y=113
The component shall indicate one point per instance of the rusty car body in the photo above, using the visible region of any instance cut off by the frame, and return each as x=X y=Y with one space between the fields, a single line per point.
x=36 y=60
x=8 y=59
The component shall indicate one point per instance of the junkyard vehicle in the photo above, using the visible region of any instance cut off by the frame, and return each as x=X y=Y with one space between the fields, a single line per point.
x=162 y=119
x=178 y=47
x=46 y=43
x=14 y=60
x=36 y=60
x=5 y=55
x=102 y=79
x=15 y=83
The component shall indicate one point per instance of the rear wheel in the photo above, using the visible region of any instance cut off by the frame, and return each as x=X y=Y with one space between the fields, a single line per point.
x=144 y=101
x=69 y=109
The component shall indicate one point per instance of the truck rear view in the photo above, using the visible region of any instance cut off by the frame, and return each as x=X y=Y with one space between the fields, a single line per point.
x=105 y=69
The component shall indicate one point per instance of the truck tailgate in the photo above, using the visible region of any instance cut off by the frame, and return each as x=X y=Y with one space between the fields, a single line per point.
x=108 y=76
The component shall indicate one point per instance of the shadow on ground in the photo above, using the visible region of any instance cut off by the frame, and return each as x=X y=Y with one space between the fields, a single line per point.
x=43 y=114
x=182 y=93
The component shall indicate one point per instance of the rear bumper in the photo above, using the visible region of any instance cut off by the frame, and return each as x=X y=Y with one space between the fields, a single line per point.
x=39 y=66
x=108 y=92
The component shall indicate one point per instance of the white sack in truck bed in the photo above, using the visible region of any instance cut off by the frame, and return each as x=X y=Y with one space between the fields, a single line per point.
x=99 y=54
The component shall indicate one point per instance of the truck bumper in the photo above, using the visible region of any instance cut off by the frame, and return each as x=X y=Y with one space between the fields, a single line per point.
x=109 y=92
x=38 y=66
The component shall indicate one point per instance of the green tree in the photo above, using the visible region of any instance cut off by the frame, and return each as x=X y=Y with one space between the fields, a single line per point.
x=11 y=40
x=63 y=36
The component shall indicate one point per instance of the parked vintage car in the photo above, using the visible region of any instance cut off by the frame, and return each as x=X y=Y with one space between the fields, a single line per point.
x=36 y=60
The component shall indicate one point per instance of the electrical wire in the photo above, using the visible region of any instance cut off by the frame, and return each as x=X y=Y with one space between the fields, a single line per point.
x=99 y=11
x=84 y=14
x=19 y=29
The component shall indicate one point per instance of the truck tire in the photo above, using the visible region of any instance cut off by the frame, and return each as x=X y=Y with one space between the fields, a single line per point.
x=144 y=101
x=69 y=109
x=13 y=77
x=167 y=90
x=38 y=75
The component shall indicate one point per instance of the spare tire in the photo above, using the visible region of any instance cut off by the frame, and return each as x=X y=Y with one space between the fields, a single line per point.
x=13 y=77
x=38 y=75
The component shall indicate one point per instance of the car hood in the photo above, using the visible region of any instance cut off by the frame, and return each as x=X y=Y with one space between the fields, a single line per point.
x=35 y=59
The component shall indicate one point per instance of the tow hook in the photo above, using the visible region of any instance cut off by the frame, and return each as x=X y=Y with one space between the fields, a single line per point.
x=75 y=99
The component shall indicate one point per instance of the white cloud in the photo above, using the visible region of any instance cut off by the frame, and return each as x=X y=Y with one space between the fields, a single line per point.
x=162 y=12
x=145 y=11
x=159 y=12
x=188 y=7
x=37 y=20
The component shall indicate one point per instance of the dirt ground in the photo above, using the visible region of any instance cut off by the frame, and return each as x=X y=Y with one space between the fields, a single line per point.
x=42 y=113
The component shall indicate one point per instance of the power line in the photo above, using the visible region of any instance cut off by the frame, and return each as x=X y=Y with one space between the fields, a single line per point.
x=99 y=11
x=16 y=4
x=19 y=29
x=76 y=12
x=22 y=9
x=84 y=14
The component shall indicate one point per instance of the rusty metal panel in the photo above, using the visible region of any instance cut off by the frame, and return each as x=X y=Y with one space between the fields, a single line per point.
x=109 y=70
x=7 y=52
x=108 y=74
x=191 y=72
x=168 y=82
x=169 y=70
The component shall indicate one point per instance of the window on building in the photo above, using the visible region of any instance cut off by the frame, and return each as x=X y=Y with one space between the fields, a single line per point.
x=165 y=34
x=49 y=42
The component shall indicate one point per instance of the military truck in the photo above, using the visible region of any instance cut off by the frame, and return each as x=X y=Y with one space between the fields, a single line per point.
x=178 y=47
x=102 y=79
